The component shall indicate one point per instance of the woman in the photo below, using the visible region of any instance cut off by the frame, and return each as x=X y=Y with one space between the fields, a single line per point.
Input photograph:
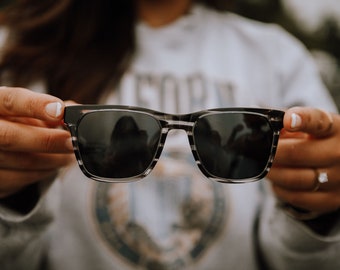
x=176 y=57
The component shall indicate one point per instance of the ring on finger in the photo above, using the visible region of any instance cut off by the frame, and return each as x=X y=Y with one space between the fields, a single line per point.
x=321 y=177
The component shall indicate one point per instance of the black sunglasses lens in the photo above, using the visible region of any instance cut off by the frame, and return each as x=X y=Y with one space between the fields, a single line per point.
x=233 y=145
x=118 y=144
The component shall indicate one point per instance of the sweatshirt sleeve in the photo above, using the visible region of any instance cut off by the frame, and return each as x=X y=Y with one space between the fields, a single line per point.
x=287 y=243
x=297 y=74
x=22 y=236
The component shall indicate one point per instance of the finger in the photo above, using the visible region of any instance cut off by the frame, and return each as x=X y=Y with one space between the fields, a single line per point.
x=321 y=201
x=33 y=161
x=293 y=178
x=313 y=121
x=307 y=153
x=31 y=121
x=23 y=138
x=285 y=134
x=16 y=101
x=301 y=179
x=16 y=180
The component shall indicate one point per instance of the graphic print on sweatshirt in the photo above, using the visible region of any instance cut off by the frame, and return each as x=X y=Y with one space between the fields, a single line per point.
x=169 y=219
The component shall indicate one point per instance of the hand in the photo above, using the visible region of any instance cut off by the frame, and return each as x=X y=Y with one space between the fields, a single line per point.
x=309 y=145
x=32 y=147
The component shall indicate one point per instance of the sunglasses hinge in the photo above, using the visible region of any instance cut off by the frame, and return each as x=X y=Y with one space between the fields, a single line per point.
x=276 y=121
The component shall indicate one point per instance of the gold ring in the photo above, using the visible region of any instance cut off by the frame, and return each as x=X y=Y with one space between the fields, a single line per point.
x=321 y=177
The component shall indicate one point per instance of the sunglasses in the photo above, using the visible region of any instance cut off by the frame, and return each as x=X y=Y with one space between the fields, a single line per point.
x=123 y=143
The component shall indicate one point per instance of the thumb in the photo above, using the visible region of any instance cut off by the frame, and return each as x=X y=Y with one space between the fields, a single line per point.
x=316 y=122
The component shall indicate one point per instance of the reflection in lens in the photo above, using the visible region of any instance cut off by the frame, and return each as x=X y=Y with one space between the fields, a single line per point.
x=233 y=145
x=118 y=144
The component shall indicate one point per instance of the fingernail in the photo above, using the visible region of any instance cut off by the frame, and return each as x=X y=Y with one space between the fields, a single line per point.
x=54 y=109
x=296 y=121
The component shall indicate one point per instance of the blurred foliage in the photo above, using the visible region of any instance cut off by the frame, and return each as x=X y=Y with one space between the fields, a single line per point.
x=328 y=38
x=4 y=2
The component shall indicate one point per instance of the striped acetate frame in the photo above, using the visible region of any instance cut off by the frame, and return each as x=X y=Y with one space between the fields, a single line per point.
x=123 y=143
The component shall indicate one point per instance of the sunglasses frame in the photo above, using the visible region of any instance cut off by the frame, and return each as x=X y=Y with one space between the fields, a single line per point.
x=73 y=115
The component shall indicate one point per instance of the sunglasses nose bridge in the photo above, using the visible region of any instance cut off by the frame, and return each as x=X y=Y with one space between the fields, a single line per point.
x=179 y=124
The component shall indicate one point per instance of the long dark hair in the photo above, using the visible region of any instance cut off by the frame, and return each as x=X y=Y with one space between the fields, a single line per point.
x=77 y=47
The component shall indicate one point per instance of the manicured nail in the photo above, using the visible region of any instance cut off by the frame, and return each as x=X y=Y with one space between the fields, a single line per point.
x=296 y=121
x=54 y=109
